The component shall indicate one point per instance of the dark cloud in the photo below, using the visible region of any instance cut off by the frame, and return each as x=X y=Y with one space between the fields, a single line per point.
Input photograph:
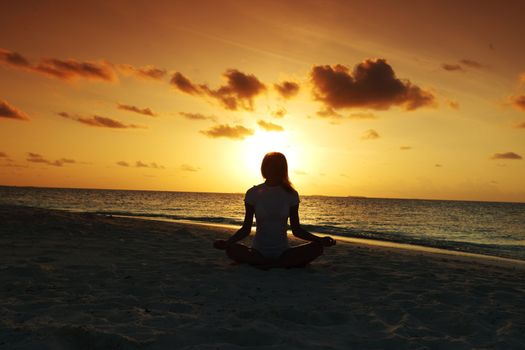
x=99 y=121
x=372 y=84
x=197 y=116
x=405 y=148
x=10 y=112
x=122 y=163
x=279 y=113
x=287 y=89
x=370 y=135
x=472 y=64
x=506 y=155
x=452 y=67
x=269 y=126
x=518 y=102
x=238 y=93
x=37 y=158
x=13 y=59
x=237 y=132
x=187 y=167
x=146 y=72
x=144 y=111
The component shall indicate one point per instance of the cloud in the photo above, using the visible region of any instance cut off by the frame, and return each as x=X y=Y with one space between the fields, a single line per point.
x=506 y=155
x=146 y=72
x=122 y=163
x=287 y=89
x=372 y=84
x=10 y=112
x=370 y=134
x=269 y=126
x=197 y=116
x=13 y=59
x=3 y=155
x=187 y=167
x=453 y=104
x=362 y=116
x=144 y=111
x=279 y=113
x=452 y=67
x=472 y=64
x=405 y=148
x=438 y=165
x=522 y=77
x=99 y=121
x=237 y=132
x=520 y=125
x=37 y=158
x=152 y=165
x=238 y=92
x=518 y=102
x=329 y=112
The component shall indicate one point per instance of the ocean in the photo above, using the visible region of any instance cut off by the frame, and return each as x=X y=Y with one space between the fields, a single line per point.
x=492 y=228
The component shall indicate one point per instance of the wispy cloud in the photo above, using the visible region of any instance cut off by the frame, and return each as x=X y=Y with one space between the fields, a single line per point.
x=520 y=125
x=362 y=116
x=122 y=163
x=99 y=121
x=452 y=67
x=405 y=148
x=238 y=92
x=279 y=113
x=135 y=109
x=189 y=168
x=269 y=126
x=506 y=155
x=197 y=116
x=472 y=63
x=372 y=84
x=146 y=72
x=38 y=158
x=287 y=89
x=236 y=132
x=370 y=134
x=518 y=102
x=10 y=112
x=453 y=104
x=462 y=65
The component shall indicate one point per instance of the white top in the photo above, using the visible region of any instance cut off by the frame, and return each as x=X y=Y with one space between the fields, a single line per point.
x=272 y=209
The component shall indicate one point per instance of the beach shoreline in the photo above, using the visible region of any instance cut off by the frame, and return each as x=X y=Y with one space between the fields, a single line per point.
x=82 y=281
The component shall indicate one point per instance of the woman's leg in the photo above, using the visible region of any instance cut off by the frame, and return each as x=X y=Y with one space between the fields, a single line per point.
x=243 y=254
x=302 y=255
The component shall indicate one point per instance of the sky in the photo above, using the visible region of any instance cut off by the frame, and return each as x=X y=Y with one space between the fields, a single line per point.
x=392 y=99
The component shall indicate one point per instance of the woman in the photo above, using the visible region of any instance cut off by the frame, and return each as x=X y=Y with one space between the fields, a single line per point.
x=273 y=202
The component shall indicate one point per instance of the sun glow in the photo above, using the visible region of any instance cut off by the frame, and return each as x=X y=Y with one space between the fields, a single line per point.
x=262 y=142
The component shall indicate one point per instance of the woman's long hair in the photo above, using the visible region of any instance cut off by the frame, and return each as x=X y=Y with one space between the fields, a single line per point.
x=274 y=166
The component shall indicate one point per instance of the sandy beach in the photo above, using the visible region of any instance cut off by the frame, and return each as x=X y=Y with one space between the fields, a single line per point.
x=84 y=281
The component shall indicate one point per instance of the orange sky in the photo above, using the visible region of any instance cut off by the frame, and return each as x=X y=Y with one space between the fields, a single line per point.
x=405 y=99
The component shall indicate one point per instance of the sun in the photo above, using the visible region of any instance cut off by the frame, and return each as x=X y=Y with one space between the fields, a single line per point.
x=262 y=142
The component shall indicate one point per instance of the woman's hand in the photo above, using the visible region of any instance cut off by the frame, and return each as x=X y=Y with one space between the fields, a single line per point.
x=327 y=241
x=220 y=244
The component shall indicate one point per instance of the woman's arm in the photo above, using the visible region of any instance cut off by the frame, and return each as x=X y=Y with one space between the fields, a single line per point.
x=242 y=233
x=300 y=232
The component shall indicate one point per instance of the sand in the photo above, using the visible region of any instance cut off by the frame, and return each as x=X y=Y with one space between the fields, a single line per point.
x=83 y=281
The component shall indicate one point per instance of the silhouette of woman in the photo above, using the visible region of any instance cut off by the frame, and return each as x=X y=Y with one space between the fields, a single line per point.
x=273 y=202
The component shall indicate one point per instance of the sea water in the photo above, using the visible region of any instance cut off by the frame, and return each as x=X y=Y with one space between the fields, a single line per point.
x=493 y=228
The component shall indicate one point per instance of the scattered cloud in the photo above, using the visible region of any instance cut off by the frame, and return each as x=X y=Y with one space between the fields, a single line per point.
x=144 y=111
x=453 y=104
x=362 y=116
x=522 y=77
x=122 y=163
x=197 y=116
x=152 y=165
x=269 y=126
x=99 y=121
x=506 y=155
x=472 y=63
x=237 y=132
x=287 y=89
x=520 y=125
x=518 y=102
x=328 y=112
x=372 y=84
x=438 y=165
x=3 y=155
x=10 y=112
x=405 y=148
x=370 y=134
x=13 y=59
x=187 y=167
x=146 y=72
x=37 y=158
x=452 y=67
x=279 y=113
x=238 y=92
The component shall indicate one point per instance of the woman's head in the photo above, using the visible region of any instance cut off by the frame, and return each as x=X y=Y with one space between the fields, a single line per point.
x=275 y=168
